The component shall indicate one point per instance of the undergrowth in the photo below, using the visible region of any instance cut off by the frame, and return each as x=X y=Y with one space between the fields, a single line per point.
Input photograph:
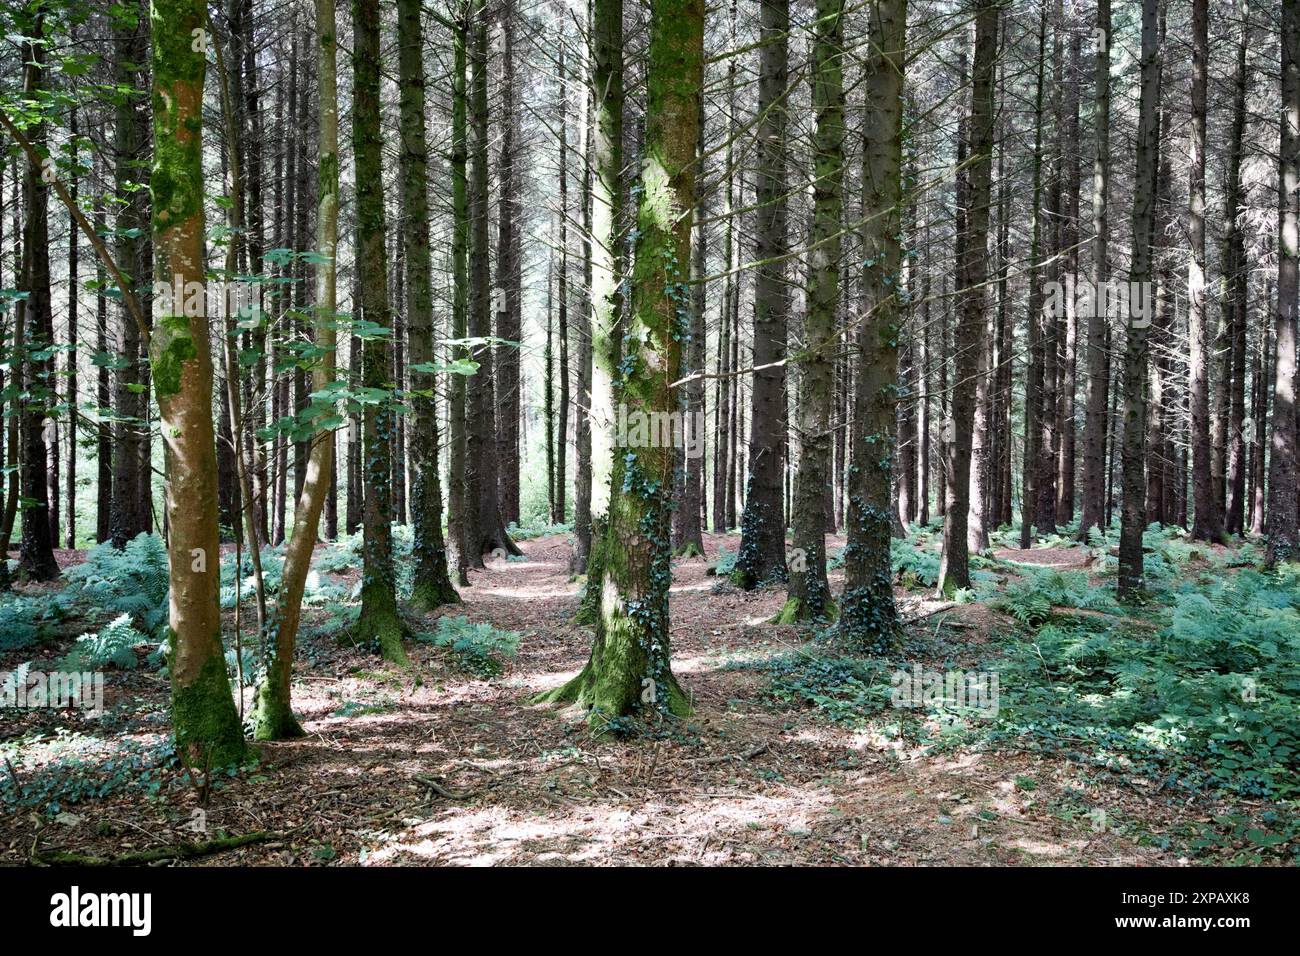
x=478 y=647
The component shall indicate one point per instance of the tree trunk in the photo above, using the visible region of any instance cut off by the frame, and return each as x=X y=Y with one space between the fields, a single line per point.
x=509 y=270
x=482 y=502
x=868 y=618
x=954 y=567
x=629 y=671
x=36 y=556
x=762 y=528
x=1035 y=319
x=74 y=246
x=131 y=464
x=1206 y=520
x=460 y=523
x=431 y=586
x=1282 y=504
x=1098 y=358
x=206 y=726
x=607 y=214
x=1133 y=512
x=1234 y=289
x=688 y=540
x=1070 y=252
x=274 y=718
x=103 y=400
x=379 y=620
x=809 y=593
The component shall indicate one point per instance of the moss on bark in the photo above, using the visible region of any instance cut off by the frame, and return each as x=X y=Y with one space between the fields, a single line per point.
x=380 y=621
x=204 y=720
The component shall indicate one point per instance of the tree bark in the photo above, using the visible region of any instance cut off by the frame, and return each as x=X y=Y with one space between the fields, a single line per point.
x=1282 y=491
x=1207 y=522
x=1133 y=511
x=809 y=594
x=206 y=726
x=36 y=555
x=762 y=528
x=868 y=617
x=379 y=620
x=1093 y=513
x=629 y=671
x=1034 y=370
x=954 y=566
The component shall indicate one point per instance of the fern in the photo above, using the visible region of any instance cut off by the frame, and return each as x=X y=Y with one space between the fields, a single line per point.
x=479 y=646
x=726 y=562
x=537 y=531
x=913 y=565
x=133 y=581
x=21 y=622
x=113 y=646
x=1031 y=599
x=1212 y=702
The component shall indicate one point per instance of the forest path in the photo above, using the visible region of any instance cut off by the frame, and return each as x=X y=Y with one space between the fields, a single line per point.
x=458 y=770
x=431 y=765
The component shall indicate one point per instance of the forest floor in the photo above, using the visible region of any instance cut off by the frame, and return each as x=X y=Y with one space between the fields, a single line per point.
x=433 y=765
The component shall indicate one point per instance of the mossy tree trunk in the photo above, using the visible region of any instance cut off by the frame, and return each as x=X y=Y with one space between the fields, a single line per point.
x=762 y=524
x=629 y=672
x=809 y=591
x=274 y=719
x=432 y=585
x=868 y=617
x=204 y=720
x=379 y=614
x=606 y=265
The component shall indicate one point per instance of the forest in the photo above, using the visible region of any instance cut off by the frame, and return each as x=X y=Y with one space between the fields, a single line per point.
x=649 y=432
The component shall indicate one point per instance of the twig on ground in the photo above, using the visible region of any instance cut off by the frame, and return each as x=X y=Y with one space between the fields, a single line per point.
x=178 y=851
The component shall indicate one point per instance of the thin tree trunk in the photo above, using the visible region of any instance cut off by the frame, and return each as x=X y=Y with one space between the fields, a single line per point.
x=868 y=618
x=509 y=270
x=431 y=585
x=1282 y=504
x=1133 y=512
x=954 y=566
x=1098 y=358
x=762 y=530
x=809 y=593
x=379 y=620
x=1234 y=289
x=204 y=720
x=607 y=216
x=1206 y=519
x=1035 y=371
